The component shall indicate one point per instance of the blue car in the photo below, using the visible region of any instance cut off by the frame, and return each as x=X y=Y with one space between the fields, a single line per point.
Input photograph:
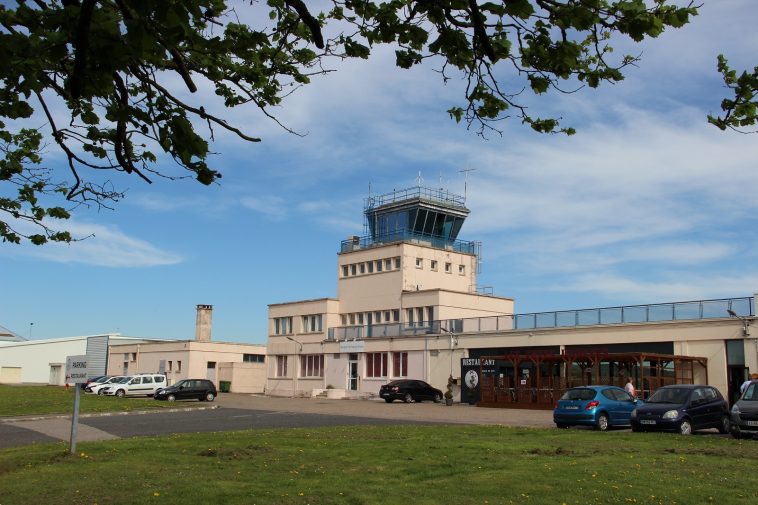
x=598 y=406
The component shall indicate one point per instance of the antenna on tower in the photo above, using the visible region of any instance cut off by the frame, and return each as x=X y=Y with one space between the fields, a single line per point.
x=465 y=172
x=419 y=179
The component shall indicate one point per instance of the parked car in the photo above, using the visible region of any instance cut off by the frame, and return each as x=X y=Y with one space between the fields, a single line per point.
x=92 y=380
x=598 y=406
x=136 y=385
x=683 y=408
x=745 y=413
x=409 y=391
x=97 y=387
x=188 y=389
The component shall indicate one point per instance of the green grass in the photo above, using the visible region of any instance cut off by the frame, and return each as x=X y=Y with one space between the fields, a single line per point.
x=409 y=465
x=42 y=400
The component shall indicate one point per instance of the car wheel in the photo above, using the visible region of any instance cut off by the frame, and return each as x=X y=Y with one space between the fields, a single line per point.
x=561 y=426
x=437 y=397
x=725 y=425
x=120 y=393
x=408 y=398
x=100 y=391
x=388 y=400
x=685 y=427
x=602 y=422
x=209 y=397
x=171 y=398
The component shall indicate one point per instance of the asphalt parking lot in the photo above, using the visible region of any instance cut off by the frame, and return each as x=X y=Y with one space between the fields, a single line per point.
x=241 y=411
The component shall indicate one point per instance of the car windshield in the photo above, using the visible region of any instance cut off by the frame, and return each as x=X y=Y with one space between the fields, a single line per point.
x=751 y=393
x=122 y=380
x=182 y=383
x=579 y=394
x=670 y=395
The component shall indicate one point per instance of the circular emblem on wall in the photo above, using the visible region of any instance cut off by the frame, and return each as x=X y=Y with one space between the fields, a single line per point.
x=471 y=378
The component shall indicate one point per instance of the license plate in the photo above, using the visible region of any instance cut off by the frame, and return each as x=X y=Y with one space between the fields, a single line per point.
x=572 y=407
x=751 y=423
x=647 y=421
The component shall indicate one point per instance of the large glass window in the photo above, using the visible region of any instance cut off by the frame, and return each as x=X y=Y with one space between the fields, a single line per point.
x=312 y=365
x=282 y=325
x=376 y=364
x=400 y=364
x=281 y=366
x=253 y=358
x=312 y=323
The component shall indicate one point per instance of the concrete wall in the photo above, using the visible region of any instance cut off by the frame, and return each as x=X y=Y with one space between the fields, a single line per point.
x=244 y=377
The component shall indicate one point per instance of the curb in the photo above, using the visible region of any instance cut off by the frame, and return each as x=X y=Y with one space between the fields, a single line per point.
x=102 y=414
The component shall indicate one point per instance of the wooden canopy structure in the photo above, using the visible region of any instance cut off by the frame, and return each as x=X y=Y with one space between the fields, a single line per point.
x=536 y=381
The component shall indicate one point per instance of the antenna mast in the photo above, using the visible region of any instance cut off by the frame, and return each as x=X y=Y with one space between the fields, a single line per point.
x=465 y=172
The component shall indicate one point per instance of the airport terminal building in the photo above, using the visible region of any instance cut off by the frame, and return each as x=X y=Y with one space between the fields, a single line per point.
x=408 y=306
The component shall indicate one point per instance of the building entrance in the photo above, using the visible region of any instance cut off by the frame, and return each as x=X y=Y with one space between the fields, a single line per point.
x=352 y=373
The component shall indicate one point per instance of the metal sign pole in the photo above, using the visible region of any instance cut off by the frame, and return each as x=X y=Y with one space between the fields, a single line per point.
x=75 y=420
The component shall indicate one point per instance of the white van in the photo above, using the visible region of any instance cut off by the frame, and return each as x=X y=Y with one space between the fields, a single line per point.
x=138 y=385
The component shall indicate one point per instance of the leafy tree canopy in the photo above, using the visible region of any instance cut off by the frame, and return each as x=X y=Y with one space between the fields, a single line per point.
x=102 y=73
x=740 y=111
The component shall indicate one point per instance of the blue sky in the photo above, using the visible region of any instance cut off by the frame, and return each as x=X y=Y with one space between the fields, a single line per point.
x=646 y=203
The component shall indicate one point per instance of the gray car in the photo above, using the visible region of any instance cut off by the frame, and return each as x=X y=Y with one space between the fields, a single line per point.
x=745 y=413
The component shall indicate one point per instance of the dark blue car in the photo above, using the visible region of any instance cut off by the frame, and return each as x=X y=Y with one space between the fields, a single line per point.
x=598 y=406
x=683 y=408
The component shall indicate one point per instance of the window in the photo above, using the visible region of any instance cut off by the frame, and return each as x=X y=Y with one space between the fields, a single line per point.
x=448 y=268
x=253 y=358
x=430 y=314
x=134 y=356
x=376 y=364
x=434 y=265
x=420 y=315
x=409 y=317
x=388 y=264
x=396 y=315
x=363 y=268
x=147 y=380
x=344 y=270
x=170 y=365
x=400 y=364
x=343 y=318
x=352 y=318
x=282 y=325
x=312 y=323
x=312 y=365
x=281 y=366
x=378 y=317
x=178 y=366
x=211 y=365
x=419 y=263
x=386 y=316
x=462 y=269
x=397 y=262
x=135 y=380
x=360 y=319
x=378 y=265
x=352 y=269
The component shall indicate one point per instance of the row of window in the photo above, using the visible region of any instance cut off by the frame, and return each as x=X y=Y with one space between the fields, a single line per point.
x=369 y=267
x=369 y=318
x=311 y=323
x=376 y=365
x=434 y=266
x=253 y=358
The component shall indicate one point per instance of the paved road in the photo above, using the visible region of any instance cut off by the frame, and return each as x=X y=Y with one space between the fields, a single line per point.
x=238 y=412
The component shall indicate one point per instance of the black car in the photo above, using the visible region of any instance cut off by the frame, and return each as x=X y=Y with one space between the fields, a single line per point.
x=188 y=389
x=683 y=408
x=97 y=379
x=409 y=391
x=745 y=413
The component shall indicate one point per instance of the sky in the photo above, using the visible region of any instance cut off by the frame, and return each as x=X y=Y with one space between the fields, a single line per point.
x=647 y=203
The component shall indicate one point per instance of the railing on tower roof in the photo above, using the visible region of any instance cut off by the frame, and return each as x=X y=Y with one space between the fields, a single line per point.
x=418 y=192
x=463 y=246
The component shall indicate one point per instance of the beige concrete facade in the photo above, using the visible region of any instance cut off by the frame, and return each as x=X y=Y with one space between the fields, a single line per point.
x=408 y=306
x=190 y=359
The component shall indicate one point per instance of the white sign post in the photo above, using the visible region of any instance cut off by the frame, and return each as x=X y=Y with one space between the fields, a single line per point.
x=76 y=373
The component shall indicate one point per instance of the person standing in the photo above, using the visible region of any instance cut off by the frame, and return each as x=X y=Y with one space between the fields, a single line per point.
x=629 y=388
x=743 y=387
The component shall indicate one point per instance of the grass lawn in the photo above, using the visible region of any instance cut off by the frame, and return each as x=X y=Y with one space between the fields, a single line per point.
x=410 y=465
x=36 y=400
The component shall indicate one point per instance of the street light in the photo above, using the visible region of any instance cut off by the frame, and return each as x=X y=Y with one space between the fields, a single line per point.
x=295 y=371
x=745 y=322
x=453 y=343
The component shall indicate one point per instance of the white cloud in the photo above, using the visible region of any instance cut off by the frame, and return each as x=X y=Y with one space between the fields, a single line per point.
x=105 y=246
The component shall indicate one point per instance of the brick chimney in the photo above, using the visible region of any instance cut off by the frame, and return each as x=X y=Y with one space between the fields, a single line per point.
x=203 y=323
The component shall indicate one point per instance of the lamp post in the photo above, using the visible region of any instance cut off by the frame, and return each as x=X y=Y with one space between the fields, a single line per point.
x=297 y=364
x=745 y=322
x=30 y=330
x=453 y=344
